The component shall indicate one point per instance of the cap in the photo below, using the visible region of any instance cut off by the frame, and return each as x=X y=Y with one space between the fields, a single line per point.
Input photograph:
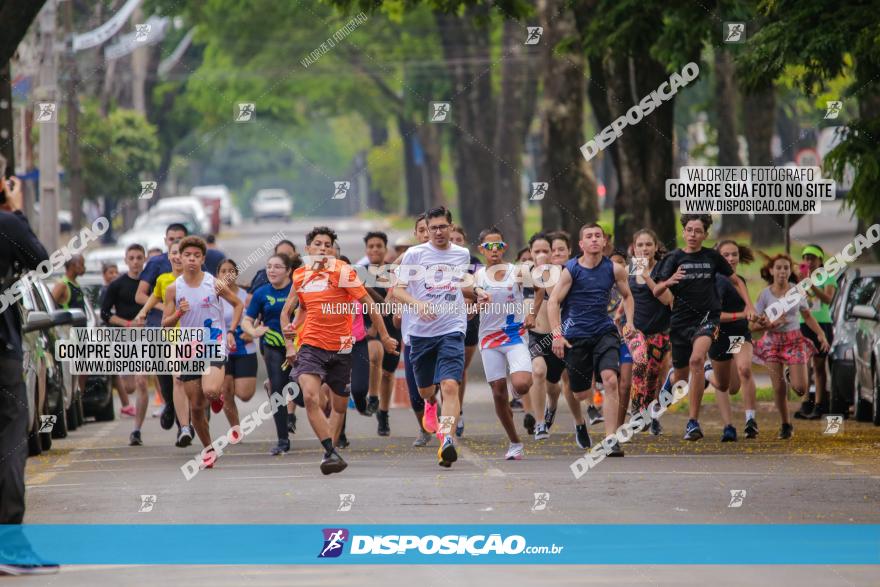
x=813 y=250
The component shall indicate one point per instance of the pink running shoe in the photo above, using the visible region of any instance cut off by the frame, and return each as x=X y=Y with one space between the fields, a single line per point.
x=128 y=411
x=429 y=419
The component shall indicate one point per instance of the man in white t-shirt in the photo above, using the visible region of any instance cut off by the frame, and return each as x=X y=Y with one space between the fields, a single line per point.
x=436 y=323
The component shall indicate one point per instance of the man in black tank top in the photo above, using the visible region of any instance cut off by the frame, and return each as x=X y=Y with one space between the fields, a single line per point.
x=67 y=293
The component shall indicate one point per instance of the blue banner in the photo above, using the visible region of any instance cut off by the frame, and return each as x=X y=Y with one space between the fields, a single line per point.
x=247 y=544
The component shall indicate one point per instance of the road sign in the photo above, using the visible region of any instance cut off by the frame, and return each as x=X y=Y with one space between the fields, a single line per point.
x=808 y=158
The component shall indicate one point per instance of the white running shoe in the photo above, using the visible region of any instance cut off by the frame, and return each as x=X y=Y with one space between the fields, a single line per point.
x=541 y=432
x=514 y=451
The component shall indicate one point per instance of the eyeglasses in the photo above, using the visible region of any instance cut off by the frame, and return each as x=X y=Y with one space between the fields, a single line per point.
x=439 y=227
x=496 y=246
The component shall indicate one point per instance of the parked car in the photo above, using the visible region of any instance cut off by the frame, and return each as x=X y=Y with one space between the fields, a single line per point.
x=97 y=396
x=272 y=203
x=152 y=234
x=856 y=287
x=164 y=217
x=188 y=204
x=34 y=346
x=866 y=386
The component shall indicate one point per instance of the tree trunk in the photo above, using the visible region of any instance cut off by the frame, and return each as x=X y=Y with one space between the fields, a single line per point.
x=760 y=106
x=728 y=145
x=74 y=170
x=571 y=194
x=378 y=137
x=415 y=196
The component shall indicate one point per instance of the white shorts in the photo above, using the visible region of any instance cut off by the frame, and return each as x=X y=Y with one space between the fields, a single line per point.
x=496 y=361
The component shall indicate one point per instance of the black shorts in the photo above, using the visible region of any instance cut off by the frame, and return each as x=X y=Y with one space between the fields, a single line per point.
x=242 y=366
x=199 y=376
x=829 y=334
x=540 y=345
x=390 y=361
x=472 y=334
x=590 y=356
x=682 y=340
x=333 y=368
x=726 y=337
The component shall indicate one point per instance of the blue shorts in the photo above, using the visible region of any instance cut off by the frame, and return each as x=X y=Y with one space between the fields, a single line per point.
x=625 y=357
x=436 y=358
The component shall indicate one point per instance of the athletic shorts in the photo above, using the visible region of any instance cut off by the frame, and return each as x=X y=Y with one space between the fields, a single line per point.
x=625 y=356
x=497 y=360
x=333 y=368
x=682 y=340
x=219 y=364
x=541 y=345
x=590 y=356
x=726 y=337
x=811 y=336
x=472 y=334
x=435 y=358
x=242 y=365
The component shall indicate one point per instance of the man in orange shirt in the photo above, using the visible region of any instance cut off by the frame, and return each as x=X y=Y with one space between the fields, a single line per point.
x=330 y=293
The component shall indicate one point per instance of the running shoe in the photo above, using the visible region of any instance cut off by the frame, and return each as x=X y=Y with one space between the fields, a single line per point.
x=816 y=414
x=595 y=415
x=135 y=438
x=541 y=432
x=423 y=439
x=459 y=426
x=786 y=431
x=729 y=434
x=529 y=423
x=343 y=441
x=429 y=418
x=332 y=463
x=184 y=436
x=514 y=452
x=372 y=406
x=582 y=436
x=656 y=428
x=615 y=451
x=382 y=418
x=210 y=458
x=807 y=408
x=446 y=453
x=291 y=423
x=516 y=405
x=692 y=431
x=166 y=420
x=128 y=411
x=282 y=447
x=667 y=383
x=751 y=428
x=217 y=404
x=549 y=417
x=707 y=373
x=159 y=411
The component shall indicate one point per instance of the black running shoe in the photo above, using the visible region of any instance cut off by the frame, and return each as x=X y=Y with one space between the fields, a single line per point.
x=372 y=406
x=529 y=423
x=751 y=428
x=282 y=447
x=729 y=434
x=446 y=453
x=291 y=423
x=616 y=450
x=166 y=420
x=516 y=405
x=656 y=428
x=549 y=416
x=786 y=431
x=332 y=463
x=816 y=414
x=343 y=441
x=135 y=438
x=807 y=407
x=582 y=437
x=184 y=437
x=594 y=415
x=382 y=417
x=692 y=431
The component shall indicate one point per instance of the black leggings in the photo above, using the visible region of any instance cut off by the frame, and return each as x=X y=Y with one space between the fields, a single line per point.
x=274 y=357
x=360 y=374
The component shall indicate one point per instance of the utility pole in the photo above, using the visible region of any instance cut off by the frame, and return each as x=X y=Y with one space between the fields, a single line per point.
x=71 y=80
x=47 y=116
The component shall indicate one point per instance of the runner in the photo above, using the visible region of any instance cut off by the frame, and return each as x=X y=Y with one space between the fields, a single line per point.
x=196 y=295
x=324 y=356
x=437 y=324
x=594 y=408
x=185 y=431
x=690 y=274
x=819 y=299
x=524 y=256
x=547 y=368
x=120 y=308
x=109 y=272
x=241 y=365
x=615 y=310
x=651 y=315
x=503 y=324
x=376 y=247
x=784 y=344
x=588 y=338
x=734 y=344
x=263 y=321
x=283 y=247
x=67 y=293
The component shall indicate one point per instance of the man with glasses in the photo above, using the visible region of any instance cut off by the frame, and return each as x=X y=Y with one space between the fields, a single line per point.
x=437 y=323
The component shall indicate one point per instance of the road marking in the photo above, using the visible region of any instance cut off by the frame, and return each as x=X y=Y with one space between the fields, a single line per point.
x=843 y=463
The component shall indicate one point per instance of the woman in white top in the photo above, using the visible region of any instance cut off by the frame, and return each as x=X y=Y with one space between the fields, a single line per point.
x=241 y=364
x=502 y=334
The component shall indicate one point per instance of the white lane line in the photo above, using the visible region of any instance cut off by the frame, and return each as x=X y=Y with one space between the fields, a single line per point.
x=56 y=485
x=843 y=463
x=480 y=462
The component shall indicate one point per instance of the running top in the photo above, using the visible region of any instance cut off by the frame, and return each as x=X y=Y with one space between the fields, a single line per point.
x=205 y=310
x=328 y=323
x=241 y=347
x=268 y=303
x=766 y=298
x=75 y=297
x=820 y=310
x=651 y=316
x=501 y=318
x=585 y=308
x=441 y=286
x=695 y=295
x=120 y=297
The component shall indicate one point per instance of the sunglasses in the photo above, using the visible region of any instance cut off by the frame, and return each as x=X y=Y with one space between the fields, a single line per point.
x=494 y=246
